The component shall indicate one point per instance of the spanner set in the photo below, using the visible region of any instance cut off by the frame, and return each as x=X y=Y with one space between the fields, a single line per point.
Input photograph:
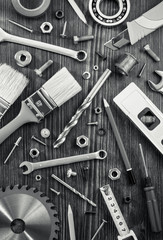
x=85 y=163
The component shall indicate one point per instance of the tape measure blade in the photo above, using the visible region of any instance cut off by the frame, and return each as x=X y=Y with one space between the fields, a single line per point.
x=114 y=210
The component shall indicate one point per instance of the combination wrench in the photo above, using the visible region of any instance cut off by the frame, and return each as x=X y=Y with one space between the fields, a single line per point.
x=30 y=167
x=78 y=55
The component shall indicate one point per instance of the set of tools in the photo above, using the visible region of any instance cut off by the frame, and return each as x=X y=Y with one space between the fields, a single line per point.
x=60 y=88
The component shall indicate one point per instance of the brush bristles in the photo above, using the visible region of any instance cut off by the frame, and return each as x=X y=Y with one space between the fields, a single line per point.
x=12 y=83
x=62 y=86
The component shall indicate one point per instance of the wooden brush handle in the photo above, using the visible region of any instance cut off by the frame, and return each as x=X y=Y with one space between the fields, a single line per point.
x=25 y=116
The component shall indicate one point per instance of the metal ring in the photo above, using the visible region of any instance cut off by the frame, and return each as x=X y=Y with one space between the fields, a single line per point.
x=23 y=58
x=86 y=75
x=38 y=178
x=59 y=14
x=81 y=56
x=119 y=17
x=31 y=12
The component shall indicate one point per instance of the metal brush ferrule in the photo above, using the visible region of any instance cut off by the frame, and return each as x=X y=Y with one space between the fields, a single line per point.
x=40 y=104
x=4 y=106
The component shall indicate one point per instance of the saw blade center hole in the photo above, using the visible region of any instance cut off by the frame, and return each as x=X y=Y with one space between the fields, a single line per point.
x=17 y=226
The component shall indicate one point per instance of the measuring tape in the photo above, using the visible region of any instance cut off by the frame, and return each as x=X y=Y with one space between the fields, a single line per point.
x=116 y=214
x=119 y=17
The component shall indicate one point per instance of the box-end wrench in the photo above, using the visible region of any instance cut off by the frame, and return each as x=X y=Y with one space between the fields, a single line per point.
x=30 y=167
x=78 y=55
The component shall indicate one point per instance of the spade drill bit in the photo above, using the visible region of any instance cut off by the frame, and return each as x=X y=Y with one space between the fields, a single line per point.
x=87 y=102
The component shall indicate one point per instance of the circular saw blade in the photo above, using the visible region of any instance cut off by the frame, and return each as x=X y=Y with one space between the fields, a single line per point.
x=26 y=214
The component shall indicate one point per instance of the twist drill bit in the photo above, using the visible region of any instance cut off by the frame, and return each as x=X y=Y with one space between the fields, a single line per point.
x=87 y=102
x=73 y=190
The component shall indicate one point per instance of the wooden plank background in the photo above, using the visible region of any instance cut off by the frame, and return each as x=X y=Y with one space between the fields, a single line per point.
x=136 y=212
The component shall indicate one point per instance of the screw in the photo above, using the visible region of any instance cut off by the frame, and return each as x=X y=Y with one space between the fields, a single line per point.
x=151 y=53
x=43 y=68
x=63 y=35
x=100 y=55
x=37 y=140
x=142 y=70
x=77 y=39
x=92 y=123
x=98 y=230
x=58 y=193
x=71 y=173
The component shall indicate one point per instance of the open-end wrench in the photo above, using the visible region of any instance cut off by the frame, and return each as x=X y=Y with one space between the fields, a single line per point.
x=101 y=154
x=78 y=55
x=157 y=87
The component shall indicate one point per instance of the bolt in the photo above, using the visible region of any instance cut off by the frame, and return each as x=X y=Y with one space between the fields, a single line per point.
x=77 y=39
x=37 y=140
x=98 y=230
x=151 y=53
x=58 y=193
x=92 y=123
x=100 y=55
x=63 y=35
x=142 y=70
x=71 y=173
x=43 y=68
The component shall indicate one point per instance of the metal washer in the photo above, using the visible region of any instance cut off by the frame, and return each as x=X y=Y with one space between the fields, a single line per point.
x=119 y=17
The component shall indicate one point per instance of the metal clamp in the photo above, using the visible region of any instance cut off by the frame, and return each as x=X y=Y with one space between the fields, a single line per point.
x=119 y=17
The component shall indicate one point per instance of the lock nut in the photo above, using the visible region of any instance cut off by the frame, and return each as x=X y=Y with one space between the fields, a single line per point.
x=82 y=141
x=34 y=153
x=114 y=174
x=46 y=27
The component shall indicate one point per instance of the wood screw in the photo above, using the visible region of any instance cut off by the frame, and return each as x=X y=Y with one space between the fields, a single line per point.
x=37 y=140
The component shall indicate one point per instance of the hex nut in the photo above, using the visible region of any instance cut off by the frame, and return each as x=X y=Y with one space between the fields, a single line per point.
x=59 y=14
x=34 y=153
x=98 y=110
x=114 y=174
x=82 y=141
x=46 y=27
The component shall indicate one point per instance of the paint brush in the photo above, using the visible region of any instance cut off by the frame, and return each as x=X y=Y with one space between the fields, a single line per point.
x=12 y=84
x=55 y=92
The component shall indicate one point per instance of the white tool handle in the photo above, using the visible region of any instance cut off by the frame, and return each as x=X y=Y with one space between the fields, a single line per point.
x=78 y=55
x=146 y=24
x=101 y=154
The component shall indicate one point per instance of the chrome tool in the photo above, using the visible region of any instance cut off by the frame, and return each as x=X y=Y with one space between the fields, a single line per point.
x=55 y=92
x=135 y=104
x=78 y=55
x=71 y=223
x=152 y=204
x=27 y=214
x=16 y=144
x=77 y=10
x=157 y=87
x=138 y=28
x=109 y=21
x=116 y=214
x=86 y=103
x=73 y=190
x=120 y=143
x=30 y=167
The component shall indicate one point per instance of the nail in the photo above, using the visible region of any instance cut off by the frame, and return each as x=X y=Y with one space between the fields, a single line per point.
x=98 y=230
x=63 y=35
x=37 y=140
x=58 y=193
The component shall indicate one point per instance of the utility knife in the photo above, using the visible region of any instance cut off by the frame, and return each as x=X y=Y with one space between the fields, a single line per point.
x=138 y=28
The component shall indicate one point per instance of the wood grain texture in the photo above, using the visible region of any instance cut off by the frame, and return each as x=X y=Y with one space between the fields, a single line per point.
x=85 y=225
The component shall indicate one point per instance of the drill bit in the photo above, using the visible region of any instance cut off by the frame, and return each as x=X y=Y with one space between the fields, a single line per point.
x=73 y=190
x=16 y=144
x=86 y=103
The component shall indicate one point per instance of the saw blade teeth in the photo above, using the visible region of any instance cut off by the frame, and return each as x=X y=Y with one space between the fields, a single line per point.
x=22 y=194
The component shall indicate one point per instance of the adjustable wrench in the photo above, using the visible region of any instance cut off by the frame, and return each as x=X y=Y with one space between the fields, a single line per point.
x=101 y=154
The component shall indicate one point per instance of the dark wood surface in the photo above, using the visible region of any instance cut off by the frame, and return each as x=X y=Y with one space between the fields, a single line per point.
x=135 y=213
